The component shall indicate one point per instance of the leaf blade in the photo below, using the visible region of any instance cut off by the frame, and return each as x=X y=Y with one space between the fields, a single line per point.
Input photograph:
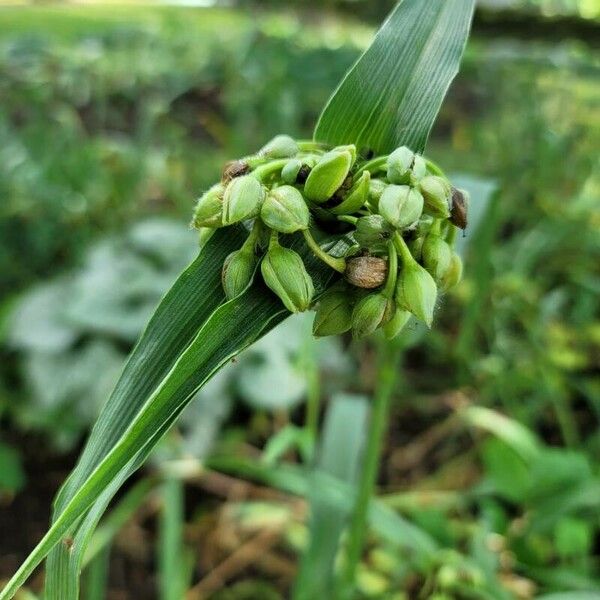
x=393 y=93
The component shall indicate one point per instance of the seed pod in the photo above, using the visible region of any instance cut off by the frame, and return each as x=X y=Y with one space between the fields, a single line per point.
x=416 y=291
x=281 y=146
x=347 y=148
x=396 y=324
x=416 y=247
x=437 y=255
x=334 y=314
x=366 y=272
x=234 y=168
x=460 y=206
x=242 y=199
x=376 y=187
x=327 y=175
x=356 y=198
x=372 y=232
x=368 y=314
x=238 y=270
x=419 y=169
x=437 y=193
x=285 y=210
x=399 y=165
x=400 y=205
x=454 y=273
x=289 y=173
x=209 y=208
x=285 y=274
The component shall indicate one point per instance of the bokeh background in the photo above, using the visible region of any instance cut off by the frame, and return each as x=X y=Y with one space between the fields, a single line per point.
x=113 y=118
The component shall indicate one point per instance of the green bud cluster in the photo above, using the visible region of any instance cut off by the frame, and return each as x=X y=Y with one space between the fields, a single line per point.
x=400 y=211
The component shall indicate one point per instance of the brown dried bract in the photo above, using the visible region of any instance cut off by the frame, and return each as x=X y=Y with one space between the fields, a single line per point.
x=458 y=212
x=234 y=168
x=366 y=271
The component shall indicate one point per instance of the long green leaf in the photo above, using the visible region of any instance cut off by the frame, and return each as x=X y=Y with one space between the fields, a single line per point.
x=341 y=446
x=232 y=327
x=393 y=93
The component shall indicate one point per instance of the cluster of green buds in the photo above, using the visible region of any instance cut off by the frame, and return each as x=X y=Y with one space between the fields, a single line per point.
x=400 y=212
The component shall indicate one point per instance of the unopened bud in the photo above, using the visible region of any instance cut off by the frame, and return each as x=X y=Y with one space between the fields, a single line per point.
x=327 y=175
x=366 y=271
x=454 y=273
x=238 y=270
x=334 y=314
x=436 y=255
x=376 y=187
x=209 y=208
x=416 y=291
x=347 y=148
x=289 y=173
x=285 y=210
x=368 y=314
x=399 y=165
x=396 y=324
x=372 y=232
x=242 y=199
x=281 y=146
x=460 y=206
x=284 y=273
x=400 y=205
x=437 y=193
x=419 y=169
x=356 y=198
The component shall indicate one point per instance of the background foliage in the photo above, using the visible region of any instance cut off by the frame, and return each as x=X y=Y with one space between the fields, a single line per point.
x=112 y=118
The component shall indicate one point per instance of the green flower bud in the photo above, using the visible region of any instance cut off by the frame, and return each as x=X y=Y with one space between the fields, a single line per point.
x=290 y=171
x=285 y=274
x=454 y=273
x=419 y=169
x=437 y=255
x=416 y=291
x=238 y=270
x=416 y=247
x=285 y=210
x=209 y=208
x=368 y=314
x=356 y=198
x=437 y=193
x=281 y=146
x=396 y=324
x=376 y=187
x=372 y=232
x=327 y=175
x=400 y=205
x=242 y=199
x=399 y=165
x=366 y=272
x=334 y=314
x=347 y=148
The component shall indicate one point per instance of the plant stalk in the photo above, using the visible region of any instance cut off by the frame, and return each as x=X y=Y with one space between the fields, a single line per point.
x=337 y=264
x=388 y=357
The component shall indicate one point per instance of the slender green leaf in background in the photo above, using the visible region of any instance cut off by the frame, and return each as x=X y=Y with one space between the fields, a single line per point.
x=341 y=446
x=392 y=95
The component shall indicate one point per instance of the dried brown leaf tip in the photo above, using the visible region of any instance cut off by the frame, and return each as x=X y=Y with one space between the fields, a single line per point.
x=234 y=168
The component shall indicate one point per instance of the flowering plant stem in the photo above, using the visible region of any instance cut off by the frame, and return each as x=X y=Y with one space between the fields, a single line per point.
x=387 y=376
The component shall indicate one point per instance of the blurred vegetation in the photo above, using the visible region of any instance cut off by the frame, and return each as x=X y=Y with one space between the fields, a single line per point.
x=112 y=118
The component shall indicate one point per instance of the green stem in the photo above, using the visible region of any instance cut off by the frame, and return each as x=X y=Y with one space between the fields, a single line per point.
x=273 y=239
x=434 y=168
x=253 y=237
x=388 y=356
x=311 y=146
x=374 y=165
x=390 y=284
x=348 y=219
x=337 y=264
x=402 y=249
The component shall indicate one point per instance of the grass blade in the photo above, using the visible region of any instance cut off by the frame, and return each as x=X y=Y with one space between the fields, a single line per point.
x=392 y=94
x=343 y=437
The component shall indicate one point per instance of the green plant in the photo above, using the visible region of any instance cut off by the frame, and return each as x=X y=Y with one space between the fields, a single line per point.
x=194 y=332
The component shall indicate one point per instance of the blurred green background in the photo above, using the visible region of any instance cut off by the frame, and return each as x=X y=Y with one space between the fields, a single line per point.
x=113 y=118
